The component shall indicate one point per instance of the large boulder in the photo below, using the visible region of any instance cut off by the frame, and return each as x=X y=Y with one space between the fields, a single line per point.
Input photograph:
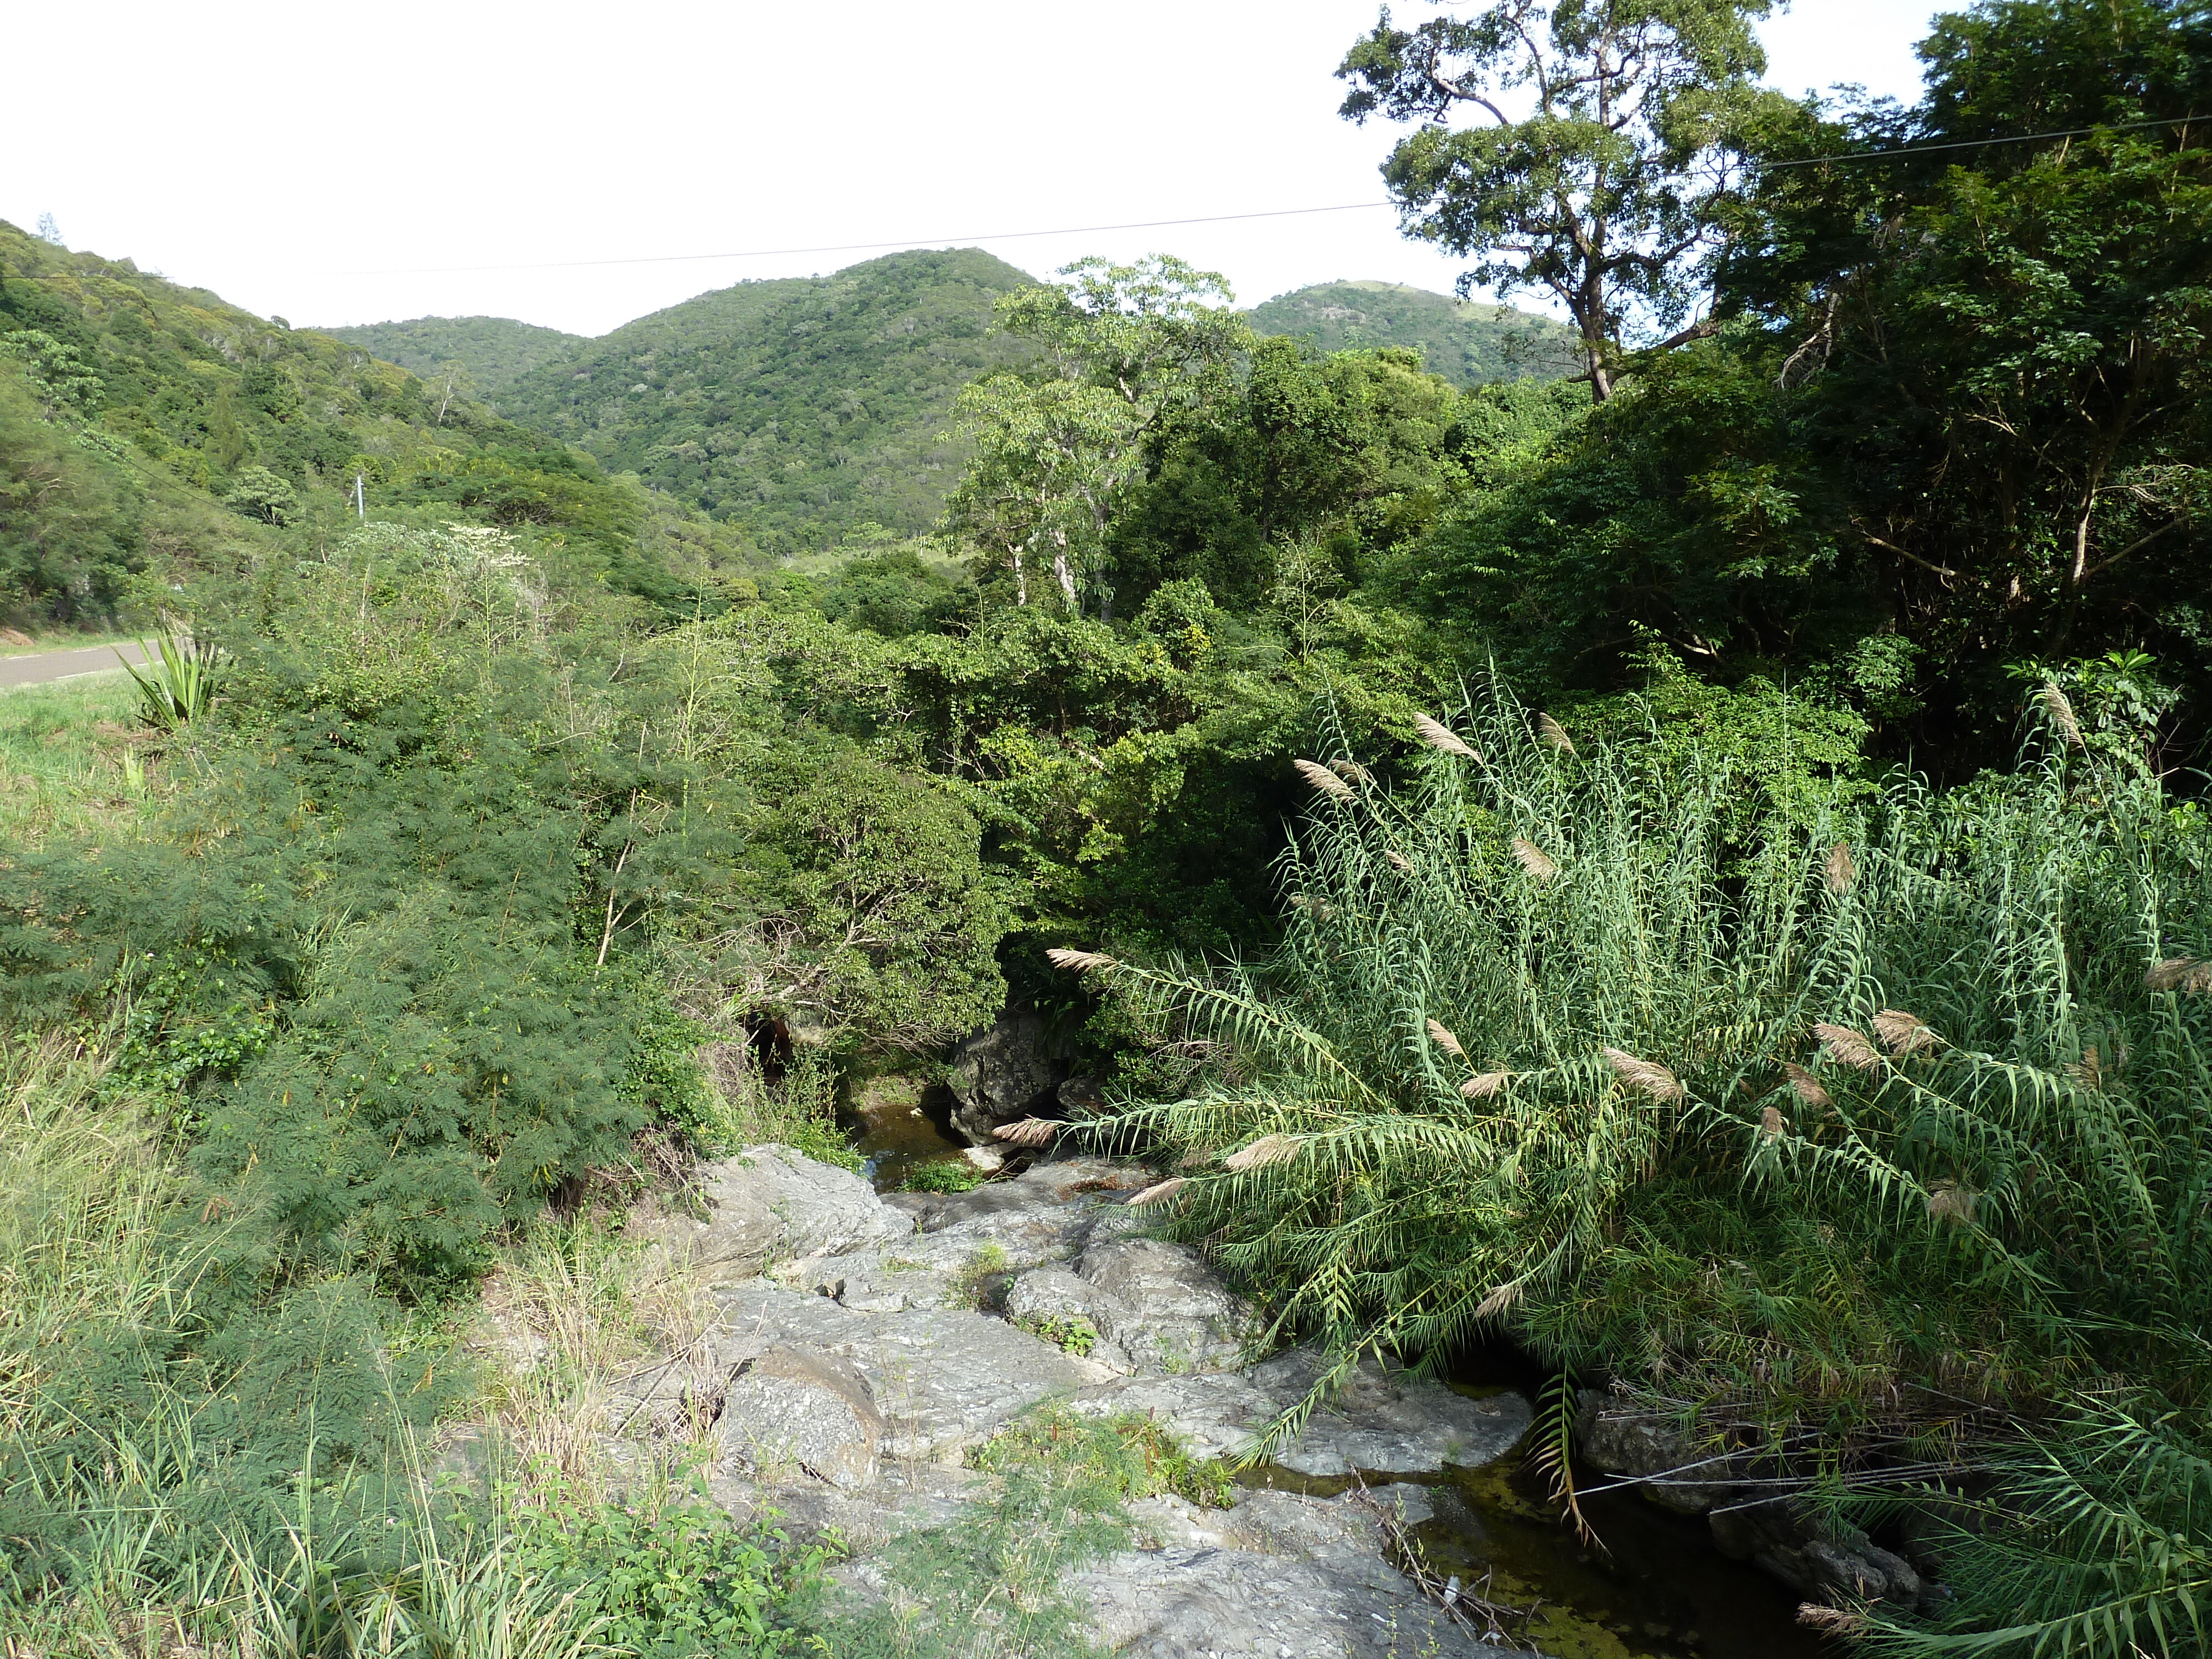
x=770 y=1204
x=802 y=1407
x=1001 y=1074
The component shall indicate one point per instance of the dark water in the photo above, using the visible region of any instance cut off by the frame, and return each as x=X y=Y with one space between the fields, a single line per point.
x=897 y=1124
x=1654 y=1588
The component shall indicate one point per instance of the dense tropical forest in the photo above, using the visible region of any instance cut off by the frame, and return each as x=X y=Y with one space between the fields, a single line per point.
x=1672 y=841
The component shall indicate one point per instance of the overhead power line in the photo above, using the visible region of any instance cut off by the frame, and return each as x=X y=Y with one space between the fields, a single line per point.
x=859 y=247
x=1976 y=143
x=1203 y=219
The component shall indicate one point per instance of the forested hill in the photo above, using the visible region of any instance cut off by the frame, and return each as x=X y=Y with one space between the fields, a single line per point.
x=1468 y=344
x=148 y=430
x=495 y=351
x=801 y=408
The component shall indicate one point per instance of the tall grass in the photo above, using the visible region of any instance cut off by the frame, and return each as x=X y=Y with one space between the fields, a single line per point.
x=144 y=1513
x=1855 y=1136
x=67 y=765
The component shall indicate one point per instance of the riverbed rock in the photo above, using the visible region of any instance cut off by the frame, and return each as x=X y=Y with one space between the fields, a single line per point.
x=1001 y=1074
x=1325 y=1593
x=771 y=1203
x=1383 y=1423
x=802 y=1405
x=1164 y=1307
x=943 y=1379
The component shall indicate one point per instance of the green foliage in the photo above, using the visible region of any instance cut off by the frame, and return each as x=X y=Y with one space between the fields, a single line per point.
x=173 y=396
x=1557 y=1042
x=668 y=1579
x=1129 y=1453
x=1618 y=169
x=1468 y=344
x=944 y=1175
x=1070 y=1333
x=989 y=1585
x=260 y=494
x=800 y=408
x=496 y=350
x=2092 y=1542
x=180 y=682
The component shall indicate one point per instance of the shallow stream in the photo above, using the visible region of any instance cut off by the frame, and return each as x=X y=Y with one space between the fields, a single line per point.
x=1654 y=1588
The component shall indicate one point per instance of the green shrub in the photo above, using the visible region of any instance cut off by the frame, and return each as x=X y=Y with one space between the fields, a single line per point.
x=944 y=1175
x=670 y=1579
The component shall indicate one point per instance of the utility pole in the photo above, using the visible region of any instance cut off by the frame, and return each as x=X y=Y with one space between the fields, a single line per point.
x=360 y=499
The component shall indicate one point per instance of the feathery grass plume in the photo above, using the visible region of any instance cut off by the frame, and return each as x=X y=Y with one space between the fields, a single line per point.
x=1266 y=1150
x=1438 y=735
x=2060 y=714
x=1351 y=771
x=1498 y=1300
x=1847 y=1048
x=1531 y=857
x=1030 y=1132
x=1806 y=1086
x=2187 y=975
x=1830 y=1621
x=1159 y=1192
x=1555 y=734
x=1839 y=871
x=1398 y=862
x=1953 y=1201
x=1323 y=780
x=2089 y=1070
x=1771 y=1123
x=1445 y=1040
x=1486 y=1085
x=1648 y=1075
x=1904 y=1034
x=1081 y=962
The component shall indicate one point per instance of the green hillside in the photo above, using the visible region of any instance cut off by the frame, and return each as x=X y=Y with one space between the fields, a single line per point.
x=800 y=408
x=496 y=350
x=149 y=431
x=1468 y=344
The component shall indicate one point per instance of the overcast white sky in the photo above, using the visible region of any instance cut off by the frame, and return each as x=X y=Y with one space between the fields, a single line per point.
x=311 y=161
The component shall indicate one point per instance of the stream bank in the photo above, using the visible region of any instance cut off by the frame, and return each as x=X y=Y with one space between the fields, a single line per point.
x=869 y=1344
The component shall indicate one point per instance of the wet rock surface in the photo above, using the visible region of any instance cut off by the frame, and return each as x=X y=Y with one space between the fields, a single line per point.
x=862 y=1348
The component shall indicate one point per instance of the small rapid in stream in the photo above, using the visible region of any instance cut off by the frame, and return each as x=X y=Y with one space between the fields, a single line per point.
x=1653 y=1587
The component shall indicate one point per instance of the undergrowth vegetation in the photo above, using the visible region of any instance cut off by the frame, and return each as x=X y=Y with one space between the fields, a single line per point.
x=1857 y=1139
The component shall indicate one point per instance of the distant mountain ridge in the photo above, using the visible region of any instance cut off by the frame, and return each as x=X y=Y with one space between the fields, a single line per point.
x=1467 y=343
x=803 y=408
x=498 y=351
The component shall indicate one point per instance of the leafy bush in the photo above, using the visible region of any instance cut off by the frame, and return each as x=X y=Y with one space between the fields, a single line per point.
x=944 y=1175
x=670 y=1579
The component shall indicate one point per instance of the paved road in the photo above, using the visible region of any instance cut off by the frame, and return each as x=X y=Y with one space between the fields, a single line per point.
x=36 y=667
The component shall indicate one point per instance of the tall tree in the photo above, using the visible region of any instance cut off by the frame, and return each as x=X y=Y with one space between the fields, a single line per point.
x=1058 y=448
x=1610 y=138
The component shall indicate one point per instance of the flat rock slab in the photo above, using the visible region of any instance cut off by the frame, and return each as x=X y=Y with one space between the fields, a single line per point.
x=1383 y=1422
x=770 y=1204
x=1206 y=1602
x=943 y=1379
